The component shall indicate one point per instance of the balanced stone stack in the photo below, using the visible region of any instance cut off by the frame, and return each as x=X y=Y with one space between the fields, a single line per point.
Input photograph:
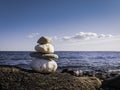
x=44 y=57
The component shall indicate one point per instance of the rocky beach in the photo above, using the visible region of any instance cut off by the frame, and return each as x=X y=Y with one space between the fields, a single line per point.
x=15 y=78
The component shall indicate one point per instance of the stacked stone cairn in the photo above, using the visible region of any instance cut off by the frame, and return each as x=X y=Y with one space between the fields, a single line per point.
x=44 y=57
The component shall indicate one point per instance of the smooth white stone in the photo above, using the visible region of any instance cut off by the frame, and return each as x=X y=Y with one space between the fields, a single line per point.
x=44 y=66
x=45 y=48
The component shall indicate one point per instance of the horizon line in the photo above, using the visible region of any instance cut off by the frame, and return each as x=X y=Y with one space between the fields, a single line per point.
x=63 y=51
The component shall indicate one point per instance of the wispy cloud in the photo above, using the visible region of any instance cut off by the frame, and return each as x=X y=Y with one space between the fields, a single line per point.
x=86 y=36
x=32 y=35
x=88 y=41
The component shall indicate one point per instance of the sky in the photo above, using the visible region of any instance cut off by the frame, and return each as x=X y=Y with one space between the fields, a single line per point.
x=74 y=25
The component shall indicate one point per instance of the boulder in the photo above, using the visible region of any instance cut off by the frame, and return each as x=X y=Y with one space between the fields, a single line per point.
x=44 y=56
x=12 y=78
x=113 y=82
x=45 y=48
x=44 y=40
x=43 y=65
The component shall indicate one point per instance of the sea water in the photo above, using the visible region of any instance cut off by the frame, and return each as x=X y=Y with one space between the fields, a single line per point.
x=85 y=60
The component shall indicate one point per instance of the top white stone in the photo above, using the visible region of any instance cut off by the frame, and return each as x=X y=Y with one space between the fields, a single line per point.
x=44 y=40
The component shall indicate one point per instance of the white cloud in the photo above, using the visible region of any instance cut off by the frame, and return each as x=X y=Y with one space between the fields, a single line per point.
x=86 y=36
x=66 y=38
x=32 y=35
x=106 y=44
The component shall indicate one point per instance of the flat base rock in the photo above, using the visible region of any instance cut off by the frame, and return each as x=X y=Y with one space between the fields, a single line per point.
x=13 y=78
x=44 y=56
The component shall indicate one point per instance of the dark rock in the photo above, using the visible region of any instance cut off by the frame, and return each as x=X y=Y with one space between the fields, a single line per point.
x=101 y=75
x=68 y=71
x=89 y=73
x=113 y=82
x=44 y=56
x=113 y=73
x=13 y=78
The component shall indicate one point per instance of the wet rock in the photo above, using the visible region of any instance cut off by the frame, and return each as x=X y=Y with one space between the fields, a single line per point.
x=12 y=78
x=113 y=82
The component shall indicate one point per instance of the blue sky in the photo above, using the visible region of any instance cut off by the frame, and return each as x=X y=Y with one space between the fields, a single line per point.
x=89 y=25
